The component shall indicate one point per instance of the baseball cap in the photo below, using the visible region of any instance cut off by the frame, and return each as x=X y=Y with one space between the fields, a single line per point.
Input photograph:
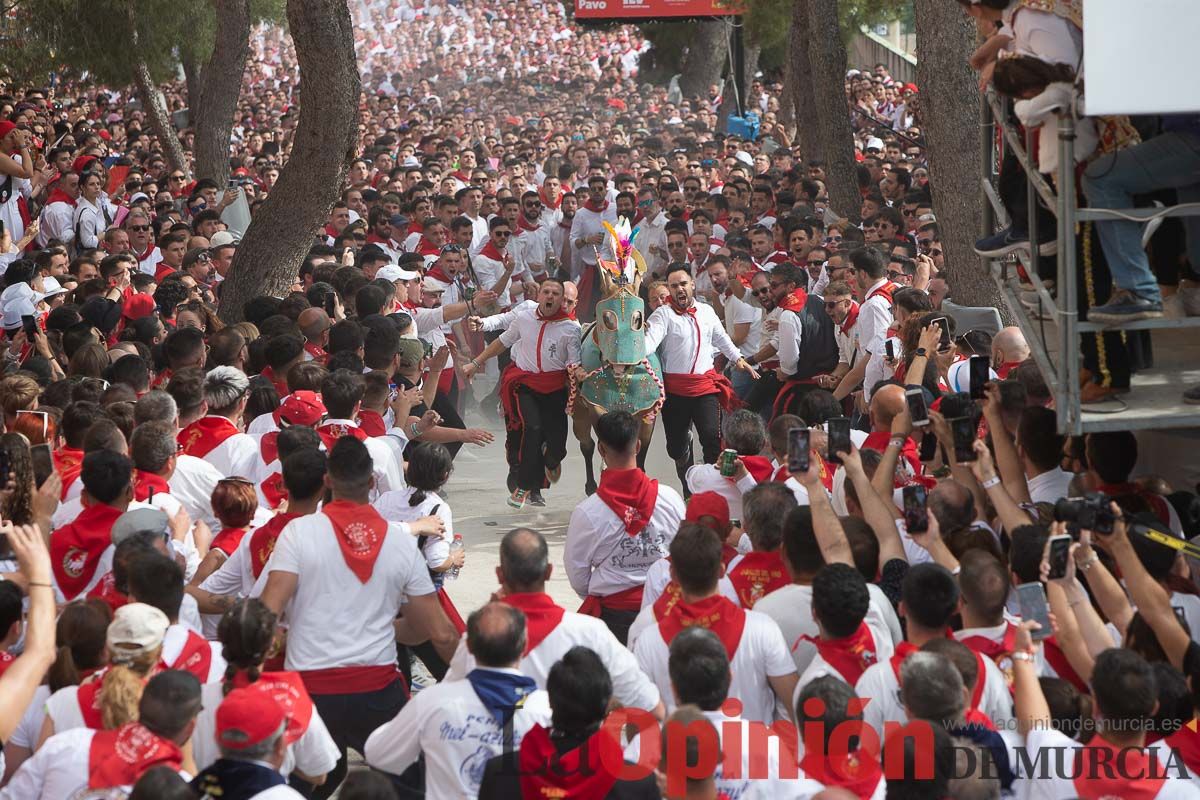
x=221 y=239
x=874 y=143
x=708 y=504
x=393 y=273
x=140 y=520
x=138 y=306
x=136 y=629
x=248 y=717
x=433 y=285
x=17 y=301
x=303 y=407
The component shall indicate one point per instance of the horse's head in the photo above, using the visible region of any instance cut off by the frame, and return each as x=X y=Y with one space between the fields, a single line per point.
x=620 y=327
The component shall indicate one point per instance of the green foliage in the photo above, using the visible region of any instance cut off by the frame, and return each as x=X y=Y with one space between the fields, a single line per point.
x=768 y=23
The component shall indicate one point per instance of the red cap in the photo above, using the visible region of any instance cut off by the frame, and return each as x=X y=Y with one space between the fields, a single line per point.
x=138 y=306
x=247 y=717
x=6 y=127
x=910 y=87
x=708 y=504
x=81 y=163
x=300 y=408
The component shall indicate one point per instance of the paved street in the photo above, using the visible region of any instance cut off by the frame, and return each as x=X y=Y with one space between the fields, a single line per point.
x=478 y=496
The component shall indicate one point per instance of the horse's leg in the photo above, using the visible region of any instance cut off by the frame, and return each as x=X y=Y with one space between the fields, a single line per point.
x=645 y=434
x=582 y=426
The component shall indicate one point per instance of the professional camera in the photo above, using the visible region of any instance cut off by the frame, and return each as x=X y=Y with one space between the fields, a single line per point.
x=1090 y=512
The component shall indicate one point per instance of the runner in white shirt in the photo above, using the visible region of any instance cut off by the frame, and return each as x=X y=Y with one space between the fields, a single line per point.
x=763 y=675
x=589 y=237
x=69 y=764
x=459 y=725
x=617 y=533
x=344 y=574
x=534 y=237
x=342 y=393
x=551 y=630
x=495 y=265
x=874 y=319
x=695 y=393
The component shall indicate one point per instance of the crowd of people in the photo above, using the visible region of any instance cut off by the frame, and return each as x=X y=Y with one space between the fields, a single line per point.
x=225 y=546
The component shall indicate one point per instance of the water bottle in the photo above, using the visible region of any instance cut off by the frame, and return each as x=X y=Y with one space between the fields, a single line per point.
x=455 y=546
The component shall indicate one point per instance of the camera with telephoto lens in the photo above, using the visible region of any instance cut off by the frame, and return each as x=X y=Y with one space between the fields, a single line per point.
x=1090 y=512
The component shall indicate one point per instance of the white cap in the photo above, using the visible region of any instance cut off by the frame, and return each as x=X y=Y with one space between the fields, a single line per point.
x=221 y=239
x=51 y=287
x=136 y=629
x=874 y=143
x=434 y=285
x=18 y=300
x=393 y=273
x=744 y=157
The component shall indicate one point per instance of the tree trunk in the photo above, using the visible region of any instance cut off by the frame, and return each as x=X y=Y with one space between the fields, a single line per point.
x=191 y=82
x=156 y=112
x=705 y=59
x=798 y=101
x=949 y=114
x=285 y=226
x=219 y=85
x=832 y=135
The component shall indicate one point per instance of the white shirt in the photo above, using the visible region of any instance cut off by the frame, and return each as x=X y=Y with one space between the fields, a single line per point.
x=537 y=345
x=90 y=223
x=499 y=322
x=1050 y=486
x=737 y=312
x=237 y=455
x=631 y=686
x=395 y=506
x=653 y=234
x=451 y=726
x=791 y=608
x=149 y=261
x=761 y=653
x=791 y=335
x=874 y=319
x=708 y=478
x=313 y=754
x=602 y=559
x=848 y=343
x=334 y=619
x=57 y=221
x=488 y=270
x=172 y=647
x=658 y=578
x=58 y=770
x=388 y=472
x=688 y=340
x=192 y=484
x=589 y=223
x=535 y=246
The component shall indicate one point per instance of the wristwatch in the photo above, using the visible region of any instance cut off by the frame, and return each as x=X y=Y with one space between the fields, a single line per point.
x=920 y=351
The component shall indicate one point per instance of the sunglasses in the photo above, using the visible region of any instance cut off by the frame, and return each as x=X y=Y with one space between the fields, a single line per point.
x=895 y=276
x=763 y=290
x=502 y=234
x=452 y=248
x=178 y=177
x=142 y=228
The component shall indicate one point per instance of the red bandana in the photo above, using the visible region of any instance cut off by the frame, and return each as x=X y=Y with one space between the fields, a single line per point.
x=851 y=318
x=1103 y=770
x=288 y=691
x=75 y=548
x=717 y=613
x=438 y=275
x=578 y=774
x=849 y=656
x=690 y=310
x=885 y=291
x=631 y=495
x=1186 y=742
x=597 y=209
x=205 y=434
x=542 y=616
x=756 y=575
x=525 y=224
x=794 y=301
x=228 y=540
x=427 y=248
x=491 y=251
x=106 y=590
x=274 y=490
x=333 y=431
x=547 y=202
x=68 y=462
x=57 y=195
x=145 y=482
x=119 y=757
x=857 y=772
x=760 y=468
x=999 y=652
x=195 y=657
x=371 y=422
x=262 y=541
x=360 y=532
x=555 y=317
x=316 y=351
x=280 y=384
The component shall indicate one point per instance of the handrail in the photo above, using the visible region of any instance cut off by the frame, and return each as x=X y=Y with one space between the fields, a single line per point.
x=1049 y=197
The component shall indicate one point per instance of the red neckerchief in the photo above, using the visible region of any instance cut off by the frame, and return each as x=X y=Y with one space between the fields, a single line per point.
x=288 y=691
x=851 y=318
x=631 y=495
x=560 y=314
x=547 y=202
x=68 y=461
x=525 y=225
x=780 y=475
x=878 y=440
x=689 y=311
x=333 y=431
x=75 y=548
x=262 y=541
x=491 y=251
x=227 y=541
x=162 y=379
x=59 y=196
x=119 y=757
x=161 y=270
x=268 y=446
x=849 y=656
x=88 y=698
x=903 y=651
x=145 y=482
x=578 y=774
x=590 y=206
x=1135 y=776
x=566 y=223
x=195 y=657
x=1003 y=369
x=205 y=434
x=374 y=238
x=542 y=615
x=759 y=467
x=717 y=613
x=756 y=575
x=280 y=384
x=274 y=490
x=858 y=773
x=794 y=301
x=316 y=351
x=885 y=290
x=425 y=248
x=106 y=590
x=1058 y=661
x=438 y=275
x=360 y=532
x=999 y=652
x=371 y=423
x=332 y=232
x=414 y=227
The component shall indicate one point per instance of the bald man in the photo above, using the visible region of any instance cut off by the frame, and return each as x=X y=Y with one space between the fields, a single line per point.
x=1009 y=349
x=886 y=404
x=314 y=324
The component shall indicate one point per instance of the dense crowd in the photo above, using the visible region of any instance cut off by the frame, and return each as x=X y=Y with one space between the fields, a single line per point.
x=225 y=546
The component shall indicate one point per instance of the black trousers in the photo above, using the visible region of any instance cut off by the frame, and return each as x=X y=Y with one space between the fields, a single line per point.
x=761 y=399
x=541 y=441
x=680 y=413
x=446 y=404
x=618 y=622
x=351 y=718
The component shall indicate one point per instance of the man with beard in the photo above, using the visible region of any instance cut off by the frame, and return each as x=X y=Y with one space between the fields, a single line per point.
x=589 y=240
x=807 y=347
x=652 y=239
x=533 y=237
x=560 y=236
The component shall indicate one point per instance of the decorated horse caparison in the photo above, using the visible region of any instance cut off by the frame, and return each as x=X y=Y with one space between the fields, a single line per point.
x=619 y=374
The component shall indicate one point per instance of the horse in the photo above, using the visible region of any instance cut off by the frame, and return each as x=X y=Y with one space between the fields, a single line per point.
x=619 y=374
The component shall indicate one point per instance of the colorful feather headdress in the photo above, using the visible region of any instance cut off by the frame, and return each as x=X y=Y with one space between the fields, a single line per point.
x=624 y=251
